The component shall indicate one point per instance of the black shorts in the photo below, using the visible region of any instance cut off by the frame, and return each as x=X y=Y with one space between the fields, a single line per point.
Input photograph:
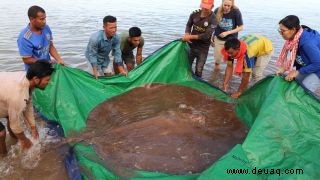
x=128 y=58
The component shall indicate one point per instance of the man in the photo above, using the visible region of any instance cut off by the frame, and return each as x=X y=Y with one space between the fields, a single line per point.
x=16 y=101
x=130 y=41
x=100 y=45
x=198 y=33
x=252 y=52
x=35 y=42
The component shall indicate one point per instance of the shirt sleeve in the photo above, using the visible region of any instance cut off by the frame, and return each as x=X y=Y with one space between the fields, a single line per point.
x=312 y=52
x=50 y=32
x=117 y=52
x=25 y=46
x=92 y=51
x=239 y=21
x=15 y=112
x=189 y=24
x=28 y=114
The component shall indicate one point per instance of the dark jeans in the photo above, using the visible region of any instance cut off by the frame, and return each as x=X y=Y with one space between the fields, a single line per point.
x=201 y=58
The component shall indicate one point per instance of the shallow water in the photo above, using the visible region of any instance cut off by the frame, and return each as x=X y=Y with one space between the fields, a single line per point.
x=44 y=159
x=170 y=129
x=72 y=23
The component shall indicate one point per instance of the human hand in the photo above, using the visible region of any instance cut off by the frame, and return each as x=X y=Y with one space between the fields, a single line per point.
x=224 y=34
x=95 y=73
x=61 y=62
x=225 y=86
x=281 y=70
x=124 y=72
x=121 y=70
x=186 y=38
x=292 y=75
x=236 y=94
x=139 y=59
x=34 y=132
x=25 y=143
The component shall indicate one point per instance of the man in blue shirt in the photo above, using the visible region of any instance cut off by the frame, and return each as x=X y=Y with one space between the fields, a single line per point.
x=100 y=45
x=35 y=41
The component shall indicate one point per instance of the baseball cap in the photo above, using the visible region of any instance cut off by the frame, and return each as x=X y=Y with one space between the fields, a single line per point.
x=207 y=4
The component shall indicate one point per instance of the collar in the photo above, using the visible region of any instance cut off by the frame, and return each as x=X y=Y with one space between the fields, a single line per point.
x=105 y=37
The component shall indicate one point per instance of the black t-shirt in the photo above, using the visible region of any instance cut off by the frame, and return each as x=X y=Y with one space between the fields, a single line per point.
x=228 y=22
x=201 y=26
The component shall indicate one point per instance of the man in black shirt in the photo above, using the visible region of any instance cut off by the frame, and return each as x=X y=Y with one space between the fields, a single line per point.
x=199 y=29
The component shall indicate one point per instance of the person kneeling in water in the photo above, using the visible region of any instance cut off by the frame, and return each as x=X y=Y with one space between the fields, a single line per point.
x=16 y=101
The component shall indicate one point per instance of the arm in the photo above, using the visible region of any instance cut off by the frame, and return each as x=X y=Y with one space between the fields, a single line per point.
x=238 y=25
x=28 y=60
x=15 y=111
x=139 y=56
x=228 y=75
x=226 y=33
x=281 y=70
x=187 y=37
x=29 y=119
x=24 y=141
x=117 y=57
x=203 y=36
x=243 y=85
x=92 y=55
x=25 y=50
x=54 y=53
x=189 y=24
x=312 y=52
x=247 y=70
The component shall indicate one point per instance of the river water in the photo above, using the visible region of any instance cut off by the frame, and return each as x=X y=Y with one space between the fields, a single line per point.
x=72 y=23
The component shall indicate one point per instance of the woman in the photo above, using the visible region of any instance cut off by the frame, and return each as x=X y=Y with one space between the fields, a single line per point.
x=229 y=24
x=304 y=46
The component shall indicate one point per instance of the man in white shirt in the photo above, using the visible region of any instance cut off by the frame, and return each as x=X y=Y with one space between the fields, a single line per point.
x=16 y=101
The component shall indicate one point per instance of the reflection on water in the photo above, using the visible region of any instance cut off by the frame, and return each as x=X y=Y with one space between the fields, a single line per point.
x=72 y=22
x=163 y=128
